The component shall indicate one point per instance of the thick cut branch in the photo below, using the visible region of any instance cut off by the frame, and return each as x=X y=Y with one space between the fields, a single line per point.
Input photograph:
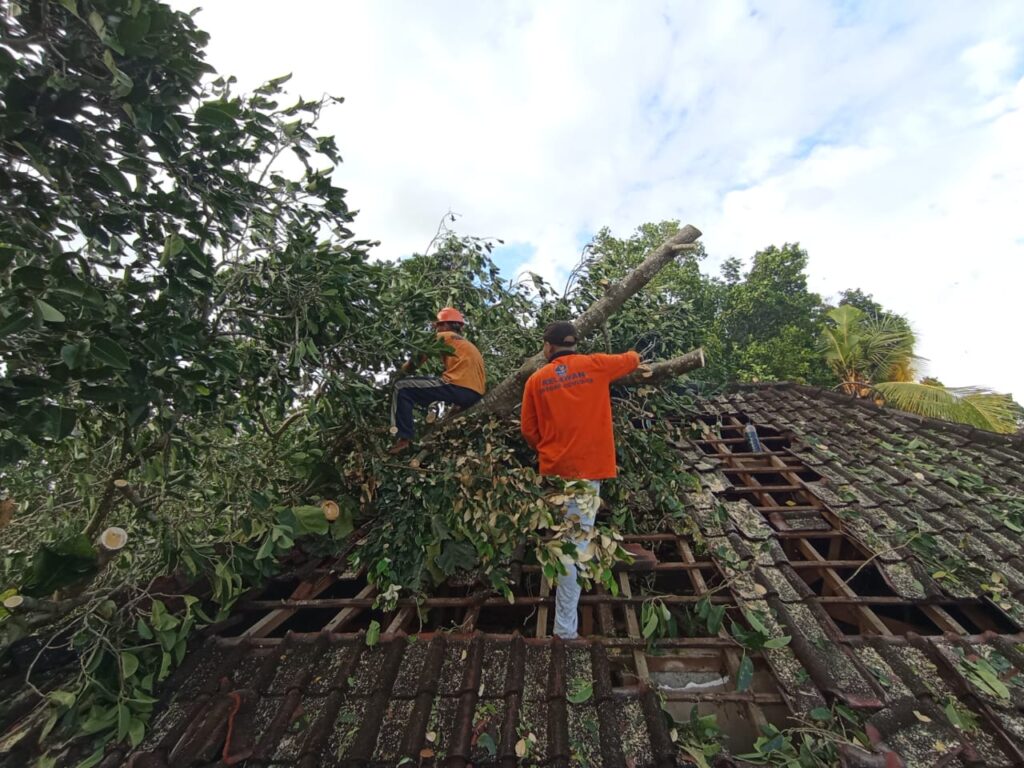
x=505 y=397
x=655 y=373
x=37 y=613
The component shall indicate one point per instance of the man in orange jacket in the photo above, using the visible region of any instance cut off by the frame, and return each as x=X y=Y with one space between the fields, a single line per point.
x=567 y=418
x=463 y=382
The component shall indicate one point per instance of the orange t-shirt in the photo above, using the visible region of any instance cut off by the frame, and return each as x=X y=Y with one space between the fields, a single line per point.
x=567 y=414
x=466 y=367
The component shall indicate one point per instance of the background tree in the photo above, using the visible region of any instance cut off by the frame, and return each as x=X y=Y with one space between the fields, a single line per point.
x=759 y=325
x=873 y=356
x=767 y=321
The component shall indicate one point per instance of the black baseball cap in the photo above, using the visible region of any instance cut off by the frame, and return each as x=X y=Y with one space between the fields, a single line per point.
x=561 y=334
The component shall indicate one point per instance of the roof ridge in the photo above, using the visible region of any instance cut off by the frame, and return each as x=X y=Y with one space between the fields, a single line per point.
x=966 y=431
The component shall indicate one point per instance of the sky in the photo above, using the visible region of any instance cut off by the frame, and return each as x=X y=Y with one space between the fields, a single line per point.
x=886 y=138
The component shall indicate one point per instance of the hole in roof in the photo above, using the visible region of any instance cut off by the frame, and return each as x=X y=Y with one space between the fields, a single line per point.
x=865 y=580
x=361 y=620
x=834 y=547
x=506 y=619
x=981 y=617
x=279 y=589
x=344 y=589
x=444 y=618
x=693 y=677
x=898 y=619
x=305 y=620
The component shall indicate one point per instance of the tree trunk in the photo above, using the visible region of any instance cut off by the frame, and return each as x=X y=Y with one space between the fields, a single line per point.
x=505 y=397
x=655 y=373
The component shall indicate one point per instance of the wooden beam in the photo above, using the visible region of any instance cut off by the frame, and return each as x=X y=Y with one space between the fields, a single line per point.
x=633 y=627
x=345 y=614
x=867 y=617
x=730 y=657
x=542 y=612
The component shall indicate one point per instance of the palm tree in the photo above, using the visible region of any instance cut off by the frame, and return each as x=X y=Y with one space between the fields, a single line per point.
x=874 y=357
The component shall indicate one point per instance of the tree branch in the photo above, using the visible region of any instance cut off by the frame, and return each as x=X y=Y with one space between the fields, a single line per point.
x=504 y=397
x=655 y=373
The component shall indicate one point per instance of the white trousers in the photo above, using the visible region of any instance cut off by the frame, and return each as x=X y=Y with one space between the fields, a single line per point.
x=567 y=595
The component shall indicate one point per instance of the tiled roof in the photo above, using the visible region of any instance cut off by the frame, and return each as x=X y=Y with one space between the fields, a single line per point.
x=886 y=547
x=332 y=701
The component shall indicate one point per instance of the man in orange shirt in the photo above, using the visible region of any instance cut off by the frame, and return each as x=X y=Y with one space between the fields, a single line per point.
x=567 y=418
x=463 y=382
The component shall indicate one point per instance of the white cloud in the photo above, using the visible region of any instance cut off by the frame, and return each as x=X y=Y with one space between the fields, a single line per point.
x=884 y=137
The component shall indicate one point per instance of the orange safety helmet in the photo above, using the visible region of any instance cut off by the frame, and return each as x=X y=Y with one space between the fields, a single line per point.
x=450 y=315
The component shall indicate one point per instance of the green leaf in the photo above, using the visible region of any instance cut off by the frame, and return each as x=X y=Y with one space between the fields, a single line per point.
x=161 y=620
x=309 y=519
x=755 y=622
x=48 y=313
x=131 y=30
x=59 y=564
x=581 y=692
x=16 y=322
x=953 y=715
x=110 y=353
x=136 y=732
x=124 y=719
x=94 y=759
x=373 y=633
x=65 y=699
x=99 y=719
x=455 y=556
x=650 y=625
x=75 y=355
x=142 y=629
x=745 y=674
x=165 y=666
x=716 y=614
x=115 y=179
x=33 y=278
x=65 y=423
x=778 y=642
x=266 y=549
x=987 y=679
x=129 y=664
x=486 y=742
x=219 y=114
x=772 y=745
x=173 y=245
x=823 y=714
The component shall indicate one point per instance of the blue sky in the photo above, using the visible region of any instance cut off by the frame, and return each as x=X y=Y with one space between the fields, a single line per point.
x=884 y=137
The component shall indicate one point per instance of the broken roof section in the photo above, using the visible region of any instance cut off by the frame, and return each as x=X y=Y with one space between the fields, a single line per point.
x=871 y=560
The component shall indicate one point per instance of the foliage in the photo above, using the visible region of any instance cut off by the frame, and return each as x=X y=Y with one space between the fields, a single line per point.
x=873 y=355
x=761 y=325
x=767 y=321
x=862 y=349
x=668 y=318
x=976 y=406
x=813 y=744
x=177 y=271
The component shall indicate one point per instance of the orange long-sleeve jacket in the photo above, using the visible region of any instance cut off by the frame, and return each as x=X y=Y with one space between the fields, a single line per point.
x=567 y=414
x=466 y=367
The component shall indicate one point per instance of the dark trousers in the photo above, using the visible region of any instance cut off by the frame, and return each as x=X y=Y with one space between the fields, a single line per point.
x=423 y=390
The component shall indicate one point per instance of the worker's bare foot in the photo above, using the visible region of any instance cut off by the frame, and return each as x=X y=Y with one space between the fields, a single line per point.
x=400 y=445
